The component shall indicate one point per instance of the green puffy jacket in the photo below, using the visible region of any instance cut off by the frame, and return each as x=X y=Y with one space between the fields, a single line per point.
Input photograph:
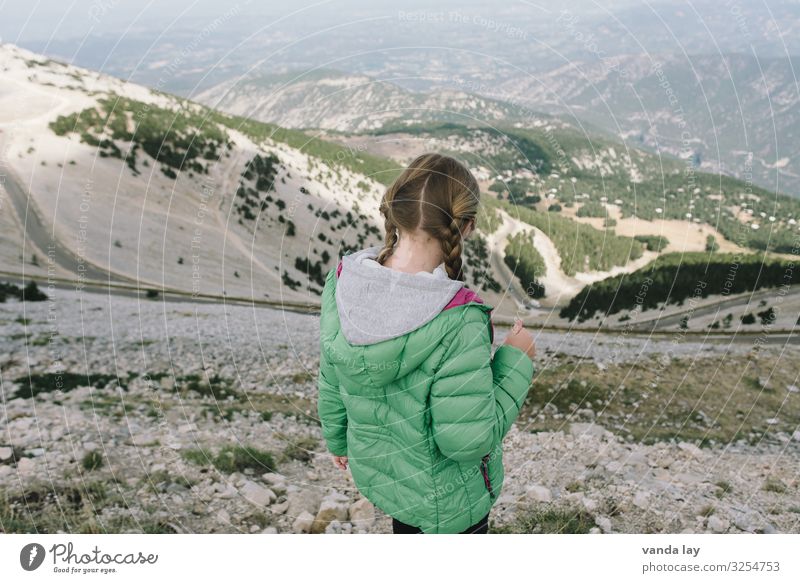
x=410 y=392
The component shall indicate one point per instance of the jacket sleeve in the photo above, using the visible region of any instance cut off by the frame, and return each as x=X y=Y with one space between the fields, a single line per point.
x=330 y=407
x=476 y=398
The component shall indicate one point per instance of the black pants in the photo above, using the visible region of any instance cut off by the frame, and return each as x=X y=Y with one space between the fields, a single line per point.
x=480 y=527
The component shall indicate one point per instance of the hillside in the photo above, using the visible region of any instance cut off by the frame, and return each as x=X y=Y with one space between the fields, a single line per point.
x=733 y=113
x=165 y=192
x=332 y=100
x=149 y=189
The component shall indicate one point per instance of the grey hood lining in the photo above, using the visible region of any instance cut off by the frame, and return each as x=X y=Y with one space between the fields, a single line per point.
x=377 y=303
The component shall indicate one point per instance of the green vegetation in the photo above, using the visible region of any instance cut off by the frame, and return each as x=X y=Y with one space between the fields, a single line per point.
x=581 y=246
x=72 y=508
x=567 y=163
x=488 y=219
x=548 y=520
x=675 y=277
x=92 y=461
x=49 y=382
x=332 y=154
x=257 y=179
x=527 y=264
x=181 y=139
x=512 y=148
x=592 y=209
x=30 y=293
x=651 y=401
x=233 y=458
x=477 y=267
x=215 y=387
x=300 y=449
x=653 y=242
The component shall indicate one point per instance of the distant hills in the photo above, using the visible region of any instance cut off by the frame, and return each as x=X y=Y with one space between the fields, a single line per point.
x=166 y=192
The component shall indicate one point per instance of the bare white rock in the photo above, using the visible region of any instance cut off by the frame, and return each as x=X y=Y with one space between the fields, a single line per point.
x=333 y=508
x=537 y=493
x=362 y=513
x=691 y=449
x=302 y=524
x=257 y=494
x=604 y=522
x=717 y=523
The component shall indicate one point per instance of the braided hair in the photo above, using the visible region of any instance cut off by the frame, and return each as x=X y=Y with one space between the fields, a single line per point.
x=438 y=195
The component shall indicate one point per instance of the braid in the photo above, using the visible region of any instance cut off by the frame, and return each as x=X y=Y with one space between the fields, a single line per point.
x=390 y=241
x=451 y=245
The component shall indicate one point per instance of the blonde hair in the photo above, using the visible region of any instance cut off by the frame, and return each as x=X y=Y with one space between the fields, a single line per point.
x=438 y=195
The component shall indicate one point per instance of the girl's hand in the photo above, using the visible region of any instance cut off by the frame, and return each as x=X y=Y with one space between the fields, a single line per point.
x=520 y=338
x=340 y=461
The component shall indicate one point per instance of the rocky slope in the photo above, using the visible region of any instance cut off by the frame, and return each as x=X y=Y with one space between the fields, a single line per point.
x=193 y=426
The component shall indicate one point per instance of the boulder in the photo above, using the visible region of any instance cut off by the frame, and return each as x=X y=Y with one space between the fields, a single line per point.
x=362 y=513
x=333 y=507
x=257 y=494
x=717 y=524
x=303 y=501
x=537 y=493
x=302 y=524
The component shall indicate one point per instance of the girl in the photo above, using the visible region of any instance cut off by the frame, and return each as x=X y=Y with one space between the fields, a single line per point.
x=409 y=393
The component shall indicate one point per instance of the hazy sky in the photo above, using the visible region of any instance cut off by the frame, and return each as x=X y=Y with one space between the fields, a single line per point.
x=40 y=20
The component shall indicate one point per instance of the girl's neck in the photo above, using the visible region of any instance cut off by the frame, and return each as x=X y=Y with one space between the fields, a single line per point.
x=415 y=252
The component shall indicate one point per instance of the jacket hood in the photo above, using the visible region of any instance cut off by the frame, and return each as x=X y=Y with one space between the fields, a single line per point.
x=376 y=303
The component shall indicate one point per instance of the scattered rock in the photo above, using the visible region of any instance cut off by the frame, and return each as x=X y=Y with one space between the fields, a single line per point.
x=604 y=522
x=303 y=501
x=362 y=513
x=537 y=493
x=277 y=482
x=6 y=453
x=333 y=507
x=26 y=467
x=717 y=523
x=641 y=499
x=258 y=495
x=691 y=449
x=270 y=530
x=588 y=430
x=303 y=522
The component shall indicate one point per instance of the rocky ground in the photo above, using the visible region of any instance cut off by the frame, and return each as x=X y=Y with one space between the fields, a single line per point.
x=128 y=415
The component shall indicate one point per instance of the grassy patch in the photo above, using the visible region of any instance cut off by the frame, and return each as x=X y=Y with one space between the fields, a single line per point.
x=773 y=484
x=92 y=461
x=73 y=508
x=548 y=521
x=64 y=381
x=215 y=387
x=301 y=449
x=233 y=458
x=684 y=400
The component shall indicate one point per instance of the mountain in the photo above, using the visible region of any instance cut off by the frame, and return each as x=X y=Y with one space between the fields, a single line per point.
x=344 y=102
x=733 y=113
x=142 y=187
x=111 y=181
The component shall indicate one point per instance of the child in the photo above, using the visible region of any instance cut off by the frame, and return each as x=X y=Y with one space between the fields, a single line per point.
x=409 y=393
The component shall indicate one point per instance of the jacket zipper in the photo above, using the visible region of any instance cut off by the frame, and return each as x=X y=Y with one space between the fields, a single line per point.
x=485 y=472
